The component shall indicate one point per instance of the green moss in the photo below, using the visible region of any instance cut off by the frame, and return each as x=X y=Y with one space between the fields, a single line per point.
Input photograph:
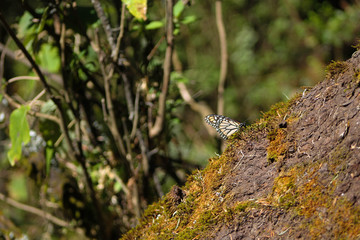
x=335 y=68
x=275 y=113
x=301 y=191
x=284 y=193
x=357 y=45
x=185 y=209
x=243 y=206
x=356 y=77
x=278 y=145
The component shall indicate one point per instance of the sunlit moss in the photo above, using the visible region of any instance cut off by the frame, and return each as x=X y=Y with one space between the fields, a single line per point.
x=357 y=45
x=278 y=145
x=335 y=68
x=299 y=190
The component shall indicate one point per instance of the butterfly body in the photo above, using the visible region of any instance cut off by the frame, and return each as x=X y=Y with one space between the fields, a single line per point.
x=225 y=126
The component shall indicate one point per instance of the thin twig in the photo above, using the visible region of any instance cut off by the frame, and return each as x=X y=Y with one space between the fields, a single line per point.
x=126 y=137
x=128 y=96
x=198 y=107
x=35 y=211
x=224 y=56
x=136 y=112
x=13 y=103
x=155 y=48
x=2 y=64
x=9 y=53
x=115 y=53
x=160 y=117
x=103 y=107
x=132 y=113
x=26 y=53
x=111 y=119
x=111 y=122
x=144 y=153
x=104 y=22
x=73 y=152
x=14 y=79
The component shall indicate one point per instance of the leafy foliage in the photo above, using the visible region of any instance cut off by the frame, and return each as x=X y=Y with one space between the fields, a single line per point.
x=19 y=132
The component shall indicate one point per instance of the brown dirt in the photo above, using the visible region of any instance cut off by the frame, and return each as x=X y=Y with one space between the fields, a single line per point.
x=327 y=119
x=294 y=174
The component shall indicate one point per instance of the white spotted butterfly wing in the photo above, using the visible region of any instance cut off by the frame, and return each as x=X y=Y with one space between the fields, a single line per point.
x=225 y=126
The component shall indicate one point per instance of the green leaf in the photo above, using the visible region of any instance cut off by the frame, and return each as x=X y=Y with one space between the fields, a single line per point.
x=48 y=107
x=26 y=26
x=117 y=187
x=49 y=57
x=137 y=8
x=154 y=25
x=188 y=19
x=43 y=20
x=177 y=77
x=17 y=187
x=19 y=133
x=178 y=9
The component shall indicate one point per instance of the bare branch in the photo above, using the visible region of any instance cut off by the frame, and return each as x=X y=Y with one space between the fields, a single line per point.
x=27 y=54
x=144 y=153
x=13 y=103
x=104 y=22
x=53 y=76
x=110 y=115
x=134 y=117
x=35 y=211
x=115 y=53
x=128 y=96
x=14 y=79
x=224 y=56
x=136 y=112
x=159 y=121
x=155 y=48
x=2 y=63
x=200 y=107
x=126 y=137
x=111 y=121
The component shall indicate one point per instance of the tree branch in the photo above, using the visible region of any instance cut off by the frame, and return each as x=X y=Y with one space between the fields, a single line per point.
x=224 y=56
x=2 y=64
x=104 y=22
x=109 y=118
x=200 y=107
x=136 y=112
x=159 y=121
x=27 y=54
x=115 y=53
x=53 y=76
x=35 y=211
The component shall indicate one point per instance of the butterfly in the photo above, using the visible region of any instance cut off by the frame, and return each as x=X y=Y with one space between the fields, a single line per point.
x=225 y=126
